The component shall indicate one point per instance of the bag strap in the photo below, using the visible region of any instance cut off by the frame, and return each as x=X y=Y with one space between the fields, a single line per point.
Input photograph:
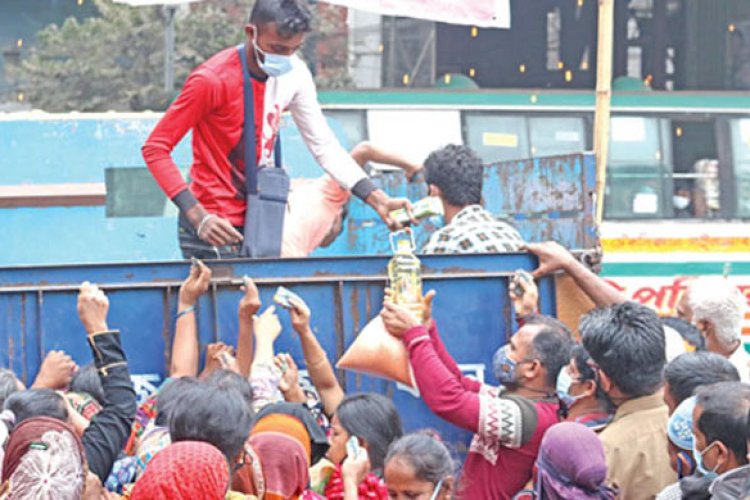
x=248 y=130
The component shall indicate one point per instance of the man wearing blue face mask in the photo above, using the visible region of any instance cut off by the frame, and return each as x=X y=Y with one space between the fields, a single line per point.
x=212 y=103
x=719 y=438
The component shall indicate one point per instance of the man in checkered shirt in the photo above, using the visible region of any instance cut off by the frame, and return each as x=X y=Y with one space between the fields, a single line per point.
x=455 y=174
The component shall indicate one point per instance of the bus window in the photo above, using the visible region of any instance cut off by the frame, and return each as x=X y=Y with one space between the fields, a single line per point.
x=352 y=122
x=741 y=154
x=637 y=176
x=557 y=135
x=497 y=137
x=695 y=187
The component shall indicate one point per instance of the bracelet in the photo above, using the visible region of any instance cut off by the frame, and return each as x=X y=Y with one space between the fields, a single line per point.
x=203 y=223
x=184 y=312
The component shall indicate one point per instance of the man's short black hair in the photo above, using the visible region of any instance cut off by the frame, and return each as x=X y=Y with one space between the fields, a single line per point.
x=688 y=371
x=458 y=172
x=216 y=415
x=291 y=17
x=724 y=417
x=627 y=342
x=552 y=344
x=37 y=403
x=687 y=331
x=87 y=380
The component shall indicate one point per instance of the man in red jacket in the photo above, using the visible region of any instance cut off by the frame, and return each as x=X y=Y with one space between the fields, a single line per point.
x=212 y=208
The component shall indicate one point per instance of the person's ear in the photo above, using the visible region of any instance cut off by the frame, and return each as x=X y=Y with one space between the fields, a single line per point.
x=533 y=369
x=723 y=456
x=250 y=31
x=433 y=190
x=604 y=381
x=589 y=388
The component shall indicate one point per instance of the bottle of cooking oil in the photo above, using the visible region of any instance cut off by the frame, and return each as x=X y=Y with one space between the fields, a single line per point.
x=404 y=269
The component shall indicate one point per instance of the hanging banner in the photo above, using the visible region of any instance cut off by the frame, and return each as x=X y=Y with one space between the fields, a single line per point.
x=480 y=13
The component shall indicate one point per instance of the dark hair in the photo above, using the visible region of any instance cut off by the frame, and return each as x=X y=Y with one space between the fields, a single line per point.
x=552 y=344
x=168 y=397
x=429 y=458
x=581 y=359
x=8 y=384
x=290 y=16
x=373 y=418
x=215 y=415
x=687 y=331
x=227 y=379
x=691 y=370
x=627 y=342
x=37 y=403
x=87 y=380
x=724 y=417
x=458 y=172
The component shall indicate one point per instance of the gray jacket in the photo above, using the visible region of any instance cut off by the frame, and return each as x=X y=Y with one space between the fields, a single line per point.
x=730 y=485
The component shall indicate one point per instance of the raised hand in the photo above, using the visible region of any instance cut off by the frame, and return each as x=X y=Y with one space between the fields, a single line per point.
x=56 y=371
x=250 y=302
x=300 y=315
x=267 y=326
x=93 y=306
x=552 y=257
x=195 y=285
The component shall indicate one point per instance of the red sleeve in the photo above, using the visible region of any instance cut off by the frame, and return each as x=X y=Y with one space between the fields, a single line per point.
x=196 y=100
x=442 y=353
x=441 y=390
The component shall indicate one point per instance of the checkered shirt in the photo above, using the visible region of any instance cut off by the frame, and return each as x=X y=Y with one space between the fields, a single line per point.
x=474 y=230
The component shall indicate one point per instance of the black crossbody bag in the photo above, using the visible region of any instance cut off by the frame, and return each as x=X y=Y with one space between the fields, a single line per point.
x=267 y=187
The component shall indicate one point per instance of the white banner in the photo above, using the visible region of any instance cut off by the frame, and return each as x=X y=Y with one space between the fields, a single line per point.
x=481 y=13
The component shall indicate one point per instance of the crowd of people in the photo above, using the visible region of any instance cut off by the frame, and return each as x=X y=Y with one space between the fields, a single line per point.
x=609 y=412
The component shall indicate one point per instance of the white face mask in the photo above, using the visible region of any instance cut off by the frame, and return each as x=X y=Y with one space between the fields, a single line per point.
x=680 y=202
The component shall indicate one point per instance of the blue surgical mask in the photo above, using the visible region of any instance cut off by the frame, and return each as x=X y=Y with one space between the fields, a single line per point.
x=504 y=367
x=274 y=65
x=698 y=455
x=564 y=381
x=437 y=490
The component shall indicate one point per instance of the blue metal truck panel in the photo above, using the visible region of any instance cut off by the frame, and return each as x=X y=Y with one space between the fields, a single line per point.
x=38 y=312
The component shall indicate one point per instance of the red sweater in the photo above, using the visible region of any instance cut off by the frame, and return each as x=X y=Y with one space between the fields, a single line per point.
x=508 y=429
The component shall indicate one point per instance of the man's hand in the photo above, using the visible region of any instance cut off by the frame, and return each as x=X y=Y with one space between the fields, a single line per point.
x=527 y=303
x=250 y=302
x=195 y=285
x=56 y=371
x=398 y=319
x=267 y=325
x=423 y=309
x=552 y=257
x=300 y=315
x=384 y=205
x=412 y=170
x=218 y=231
x=93 y=306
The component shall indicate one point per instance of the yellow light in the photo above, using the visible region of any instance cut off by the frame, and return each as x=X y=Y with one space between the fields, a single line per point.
x=580 y=3
x=474 y=32
x=472 y=72
x=648 y=80
x=19 y=43
x=560 y=65
x=405 y=79
x=21 y=97
x=447 y=78
x=585 y=66
x=568 y=76
x=678 y=132
x=522 y=68
x=731 y=28
x=534 y=98
x=380 y=48
x=80 y=2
